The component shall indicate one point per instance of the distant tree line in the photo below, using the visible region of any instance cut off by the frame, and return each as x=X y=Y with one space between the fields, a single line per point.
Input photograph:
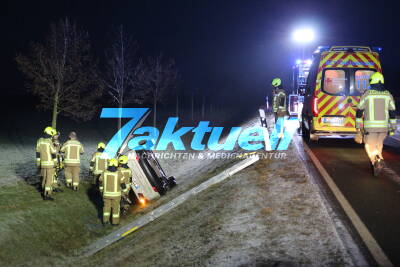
x=62 y=71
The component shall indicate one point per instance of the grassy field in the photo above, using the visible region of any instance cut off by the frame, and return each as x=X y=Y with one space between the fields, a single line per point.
x=37 y=232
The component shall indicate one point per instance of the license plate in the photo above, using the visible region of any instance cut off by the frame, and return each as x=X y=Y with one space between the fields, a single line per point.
x=333 y=121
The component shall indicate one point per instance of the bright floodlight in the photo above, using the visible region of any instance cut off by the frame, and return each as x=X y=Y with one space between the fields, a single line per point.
x=298 y=61
x=303 y=35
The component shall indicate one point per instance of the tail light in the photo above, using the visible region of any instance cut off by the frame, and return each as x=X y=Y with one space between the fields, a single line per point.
x=155 y=189
x=137 y=158
x=315 y=106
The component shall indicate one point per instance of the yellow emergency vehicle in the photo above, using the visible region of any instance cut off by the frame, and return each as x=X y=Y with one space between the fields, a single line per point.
x=338 y=77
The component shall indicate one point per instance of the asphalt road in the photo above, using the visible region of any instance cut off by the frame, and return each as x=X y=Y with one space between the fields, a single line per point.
x=375 y=199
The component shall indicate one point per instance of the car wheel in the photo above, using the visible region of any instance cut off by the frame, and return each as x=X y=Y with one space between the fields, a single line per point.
x=305 y=133
x=171 y=181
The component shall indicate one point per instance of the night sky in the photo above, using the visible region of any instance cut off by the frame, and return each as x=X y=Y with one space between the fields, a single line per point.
x=227 y=49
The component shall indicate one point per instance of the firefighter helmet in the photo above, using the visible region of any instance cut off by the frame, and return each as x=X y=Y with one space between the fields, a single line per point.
x=113 y=162
x=276 y=82
x=54 y=132
x=123 y=159
x=376 y=78
x=50 y=131
x=101 y=145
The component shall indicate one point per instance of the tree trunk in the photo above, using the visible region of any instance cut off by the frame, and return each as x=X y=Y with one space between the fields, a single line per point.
x=119 y=117
x=119 y=121
x=55 y=109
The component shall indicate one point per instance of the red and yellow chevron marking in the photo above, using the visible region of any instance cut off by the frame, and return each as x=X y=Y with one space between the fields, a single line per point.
x=339 y=105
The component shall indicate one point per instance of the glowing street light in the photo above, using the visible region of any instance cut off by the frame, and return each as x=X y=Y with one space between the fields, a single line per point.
x=303 y=35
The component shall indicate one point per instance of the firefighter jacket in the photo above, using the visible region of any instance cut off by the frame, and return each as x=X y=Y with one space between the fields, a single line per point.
x=72 y=150
x=98 y=164
x=111 y=182
x=45 y=153
x=127 y=173
x=378 y=109
x=279 y=102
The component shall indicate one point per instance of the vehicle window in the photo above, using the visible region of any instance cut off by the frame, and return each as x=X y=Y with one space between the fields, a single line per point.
x=361 y=81
x=334 y=82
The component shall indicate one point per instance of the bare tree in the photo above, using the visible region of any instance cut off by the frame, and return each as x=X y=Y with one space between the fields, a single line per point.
x=158 y=76
x=62 y=72
x=122 y=68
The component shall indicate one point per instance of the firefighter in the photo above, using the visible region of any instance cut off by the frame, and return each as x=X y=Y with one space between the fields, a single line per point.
x=127 y=179
x=279 y=99
x=126 y=171
x=279 y=106
x=59 y=161
x=98 y=163
x=376 y=111
x=45 y=160
x=72 y=150
x=111 y=183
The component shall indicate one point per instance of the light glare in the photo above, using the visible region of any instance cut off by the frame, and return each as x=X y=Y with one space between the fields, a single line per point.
x=303 y=35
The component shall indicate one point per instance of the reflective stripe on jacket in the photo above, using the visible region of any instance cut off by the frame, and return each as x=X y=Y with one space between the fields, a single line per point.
x=127 y=174
x=46 y=152
x=110 y=183
x=99 y=163
x=73 y=150
x=375 y=106
x=279 y=101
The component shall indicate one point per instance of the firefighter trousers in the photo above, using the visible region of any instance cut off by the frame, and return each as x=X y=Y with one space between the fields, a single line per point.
x=72 y=175
x=111 y=207
x=47 y=179
x=374 y=144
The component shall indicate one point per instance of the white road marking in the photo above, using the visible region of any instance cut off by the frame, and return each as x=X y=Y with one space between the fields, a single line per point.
x=366 y=236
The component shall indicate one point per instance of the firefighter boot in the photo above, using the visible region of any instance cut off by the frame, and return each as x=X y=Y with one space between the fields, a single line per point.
x=47 y=197
x=377 y=166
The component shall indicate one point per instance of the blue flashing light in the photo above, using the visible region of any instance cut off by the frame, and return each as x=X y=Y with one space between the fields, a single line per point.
x=376 y=49
x=322 y=48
